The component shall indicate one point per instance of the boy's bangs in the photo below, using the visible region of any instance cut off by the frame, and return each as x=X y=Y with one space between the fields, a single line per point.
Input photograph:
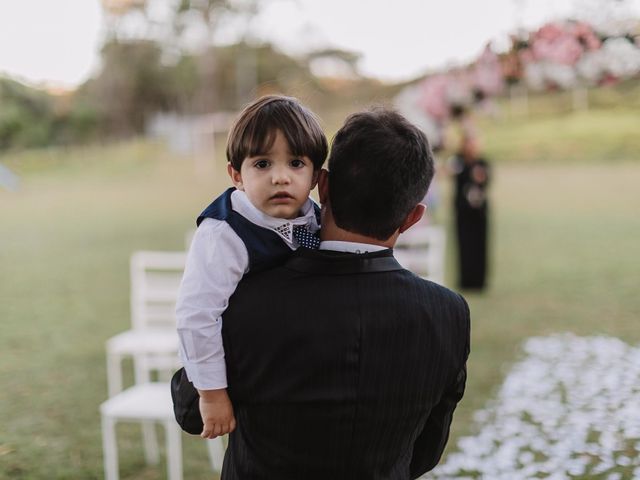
x=262 y=135
x=300 y=137
x=260 y=139
x=300 y=140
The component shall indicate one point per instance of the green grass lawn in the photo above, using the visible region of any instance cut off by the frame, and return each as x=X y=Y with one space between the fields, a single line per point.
x=565 y=257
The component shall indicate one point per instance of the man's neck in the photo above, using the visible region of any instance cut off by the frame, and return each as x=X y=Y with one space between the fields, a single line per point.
x=331 y=232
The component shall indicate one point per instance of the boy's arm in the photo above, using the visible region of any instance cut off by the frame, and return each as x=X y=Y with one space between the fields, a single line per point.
x=216 y=262
x=215 y=265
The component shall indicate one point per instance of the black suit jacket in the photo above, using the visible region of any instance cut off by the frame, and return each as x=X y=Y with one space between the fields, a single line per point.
x=342 y=366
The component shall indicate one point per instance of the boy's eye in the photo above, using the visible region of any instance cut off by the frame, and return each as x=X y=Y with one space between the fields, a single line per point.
x=297 y=163
x=261 y=164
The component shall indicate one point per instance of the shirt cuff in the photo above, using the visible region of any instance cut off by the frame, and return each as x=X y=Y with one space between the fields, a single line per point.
x=205 y=376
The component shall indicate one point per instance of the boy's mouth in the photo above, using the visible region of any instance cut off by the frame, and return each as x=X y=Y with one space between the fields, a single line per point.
x=281 y=196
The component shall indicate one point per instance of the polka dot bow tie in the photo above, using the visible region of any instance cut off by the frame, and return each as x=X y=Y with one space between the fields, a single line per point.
x=305 y=238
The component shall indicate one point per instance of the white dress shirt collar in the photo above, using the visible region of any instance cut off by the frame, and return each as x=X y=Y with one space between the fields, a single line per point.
x=350 y=247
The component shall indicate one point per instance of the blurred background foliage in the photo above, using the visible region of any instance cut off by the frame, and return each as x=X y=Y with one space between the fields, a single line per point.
x=144 y=72
x=175 y=63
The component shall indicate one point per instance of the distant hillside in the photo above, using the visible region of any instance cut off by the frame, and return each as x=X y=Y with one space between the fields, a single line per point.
x=555 y=131
x=25 y=115
x=552 y=130
x=31 y=118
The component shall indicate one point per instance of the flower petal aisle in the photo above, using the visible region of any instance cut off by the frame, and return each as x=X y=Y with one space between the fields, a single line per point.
x=570 y=408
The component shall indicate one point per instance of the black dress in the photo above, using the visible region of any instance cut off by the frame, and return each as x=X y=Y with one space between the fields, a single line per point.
x=471 y=209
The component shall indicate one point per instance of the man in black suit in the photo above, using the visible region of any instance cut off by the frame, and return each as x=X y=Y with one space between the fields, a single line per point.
x=341 y=364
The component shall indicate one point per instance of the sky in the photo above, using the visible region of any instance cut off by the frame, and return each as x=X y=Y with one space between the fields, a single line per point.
x=57 y=42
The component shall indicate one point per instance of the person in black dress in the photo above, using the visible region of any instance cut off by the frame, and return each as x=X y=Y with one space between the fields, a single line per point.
x=471 y=174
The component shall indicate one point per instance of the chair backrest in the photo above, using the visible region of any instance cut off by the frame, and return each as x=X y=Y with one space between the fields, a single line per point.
x=155 y=280
x=421 y=249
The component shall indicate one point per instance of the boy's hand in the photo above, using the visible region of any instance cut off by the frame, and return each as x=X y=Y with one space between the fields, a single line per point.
x=217 y=413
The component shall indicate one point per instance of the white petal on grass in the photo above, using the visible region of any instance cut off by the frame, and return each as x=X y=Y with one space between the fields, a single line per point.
x=569 y=408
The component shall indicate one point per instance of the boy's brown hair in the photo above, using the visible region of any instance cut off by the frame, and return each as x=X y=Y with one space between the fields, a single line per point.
x=254 y=131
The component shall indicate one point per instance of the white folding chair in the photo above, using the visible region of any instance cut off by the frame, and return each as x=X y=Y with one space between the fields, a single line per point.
x=155 y=279
x=152 y=341
x=421 y=249
x=149 y=403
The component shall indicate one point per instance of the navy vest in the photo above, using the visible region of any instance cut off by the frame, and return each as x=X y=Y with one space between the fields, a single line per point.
x=266 y=248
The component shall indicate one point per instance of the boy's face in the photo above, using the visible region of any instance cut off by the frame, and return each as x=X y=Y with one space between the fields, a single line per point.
x=277 y=182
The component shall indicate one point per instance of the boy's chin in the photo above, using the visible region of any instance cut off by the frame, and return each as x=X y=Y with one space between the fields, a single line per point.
x=287 y=212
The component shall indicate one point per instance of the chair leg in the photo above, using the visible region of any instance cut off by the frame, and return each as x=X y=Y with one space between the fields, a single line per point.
x=215 y=448
x=114 y=374
x=109 y=448
x=150 y=441
x=141 y=369
x=174 y=450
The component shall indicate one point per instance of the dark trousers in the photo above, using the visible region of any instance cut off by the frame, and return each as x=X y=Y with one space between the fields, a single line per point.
x=471 y=230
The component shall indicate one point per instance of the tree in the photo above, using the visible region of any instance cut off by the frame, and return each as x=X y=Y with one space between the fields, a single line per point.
x=187 y=28
x=26 y=116
x=130 y=87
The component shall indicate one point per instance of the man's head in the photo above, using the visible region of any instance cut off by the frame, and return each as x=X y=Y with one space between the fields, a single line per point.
x=470 y=147
x=380 y=167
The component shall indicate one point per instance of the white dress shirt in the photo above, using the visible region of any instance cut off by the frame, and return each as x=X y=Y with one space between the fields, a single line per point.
x=217 y=261
x=350 y=247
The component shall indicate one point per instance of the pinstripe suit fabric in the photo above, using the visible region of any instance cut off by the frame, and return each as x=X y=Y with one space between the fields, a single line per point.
x=342 y=366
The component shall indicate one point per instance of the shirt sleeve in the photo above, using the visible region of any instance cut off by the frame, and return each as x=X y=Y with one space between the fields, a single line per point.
x=216 y=263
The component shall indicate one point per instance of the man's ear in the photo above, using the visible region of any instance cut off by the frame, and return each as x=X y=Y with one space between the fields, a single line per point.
x=323 y=186
x=235 y=176
x=414 y=217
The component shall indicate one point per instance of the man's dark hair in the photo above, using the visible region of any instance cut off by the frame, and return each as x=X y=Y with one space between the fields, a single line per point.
x=380 y=167
x=254 y=131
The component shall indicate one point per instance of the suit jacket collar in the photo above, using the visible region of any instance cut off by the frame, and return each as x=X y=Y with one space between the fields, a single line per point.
x=342 y=263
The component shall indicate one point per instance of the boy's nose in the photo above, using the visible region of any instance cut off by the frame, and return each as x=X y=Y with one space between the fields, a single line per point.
x=280 y=176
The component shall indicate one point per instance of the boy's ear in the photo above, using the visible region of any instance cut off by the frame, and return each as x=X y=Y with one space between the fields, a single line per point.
x=323 y=186
x=235 y=176
x=314 y=179
x=414 y=217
